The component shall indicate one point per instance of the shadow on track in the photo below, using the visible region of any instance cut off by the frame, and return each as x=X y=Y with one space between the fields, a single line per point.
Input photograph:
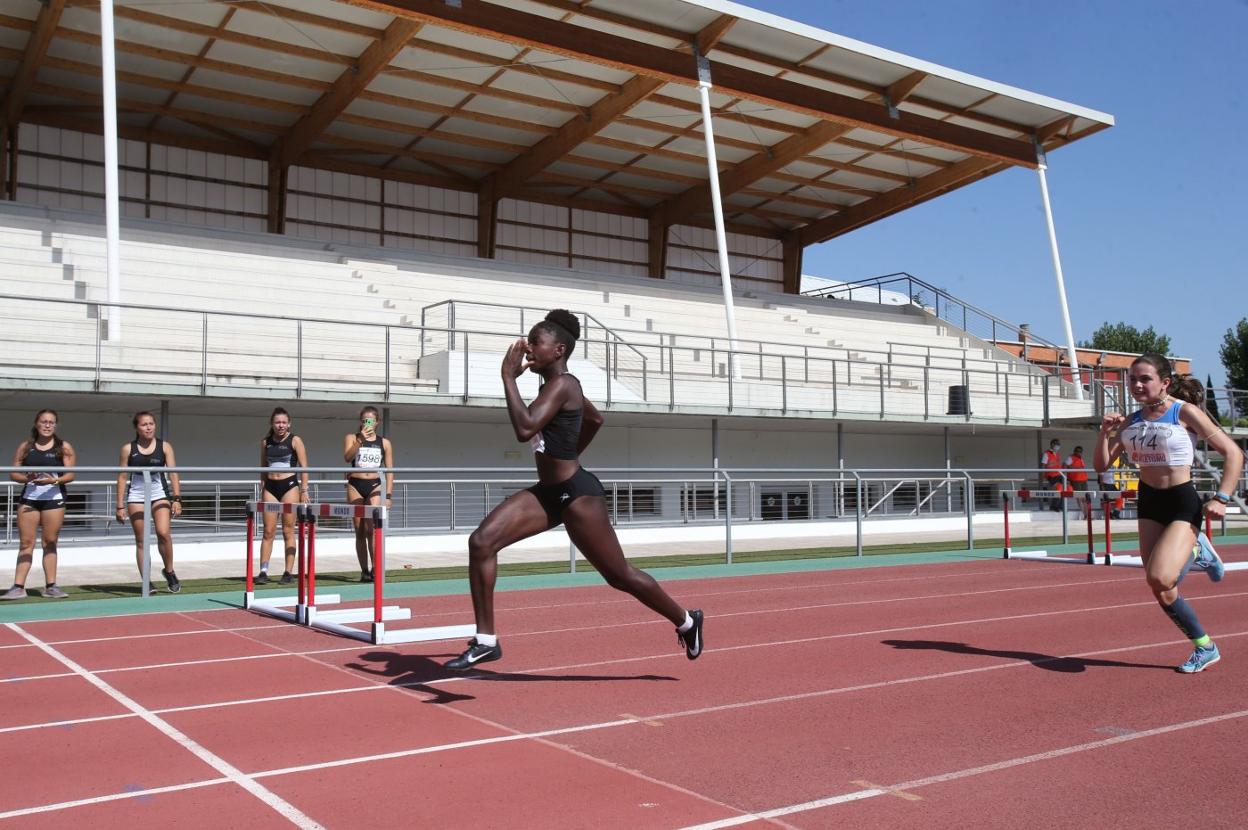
x=416 y=673
x=1041 y=661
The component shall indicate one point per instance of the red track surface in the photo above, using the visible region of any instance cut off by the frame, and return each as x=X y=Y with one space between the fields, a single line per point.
x=985 y=693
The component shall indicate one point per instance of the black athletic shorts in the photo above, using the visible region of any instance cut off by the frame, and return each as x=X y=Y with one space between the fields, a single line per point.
x=1180 y=503
x=555 y=497
x=41 y=505
x=364 y=486
x=278 y=488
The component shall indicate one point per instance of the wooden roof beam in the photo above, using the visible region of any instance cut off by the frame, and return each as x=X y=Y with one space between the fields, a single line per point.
x=524 y=29
x=603 y=112
x=698 y=199
x=36 y=48
x=886 y=204
x=344 y=90
x=899 y=91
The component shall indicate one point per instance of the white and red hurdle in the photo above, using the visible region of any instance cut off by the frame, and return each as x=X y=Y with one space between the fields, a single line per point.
x=1109 y=501
x=302 y=609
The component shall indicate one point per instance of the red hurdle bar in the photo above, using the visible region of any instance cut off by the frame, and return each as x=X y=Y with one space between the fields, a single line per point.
x=1109 y=533
x=251 y=535
x=311 y=562
x=301 y=535
x=1087 y=507
x=379 y=569
x=1005 y=512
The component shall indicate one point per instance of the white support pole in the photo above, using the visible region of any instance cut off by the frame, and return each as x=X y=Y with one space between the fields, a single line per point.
x=721 y=240
x=1071 y=354
x=112 y=208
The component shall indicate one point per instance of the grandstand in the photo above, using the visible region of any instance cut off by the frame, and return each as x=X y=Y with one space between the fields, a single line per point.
x=328 y=204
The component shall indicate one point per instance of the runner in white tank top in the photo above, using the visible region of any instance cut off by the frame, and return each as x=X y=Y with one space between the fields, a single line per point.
x=1160 y=439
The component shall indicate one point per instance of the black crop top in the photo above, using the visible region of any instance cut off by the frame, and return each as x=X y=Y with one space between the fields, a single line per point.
x=560 y=436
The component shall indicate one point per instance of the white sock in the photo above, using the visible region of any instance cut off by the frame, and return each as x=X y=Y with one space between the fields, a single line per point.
x=687 y=624
x=487 y=639
x=264 y=569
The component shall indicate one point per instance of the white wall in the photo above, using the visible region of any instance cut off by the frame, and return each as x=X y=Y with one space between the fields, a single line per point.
x=97 y=427
x=64 y=169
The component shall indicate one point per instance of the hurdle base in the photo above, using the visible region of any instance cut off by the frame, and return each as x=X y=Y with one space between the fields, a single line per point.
x=425 y=635
x=358 y=615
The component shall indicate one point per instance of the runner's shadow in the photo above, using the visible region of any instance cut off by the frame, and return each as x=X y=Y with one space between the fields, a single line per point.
x=1041 y=661
x=416 y=672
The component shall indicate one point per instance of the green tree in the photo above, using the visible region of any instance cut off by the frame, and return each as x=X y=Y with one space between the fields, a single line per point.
x=1234 y=355
x=1211 y=403
x=1124 y=337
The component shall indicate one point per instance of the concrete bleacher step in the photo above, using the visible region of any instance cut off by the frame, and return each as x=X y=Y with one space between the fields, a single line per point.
x=312 y=280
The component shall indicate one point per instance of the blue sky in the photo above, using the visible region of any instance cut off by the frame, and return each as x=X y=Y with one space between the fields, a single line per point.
x=1150 y=213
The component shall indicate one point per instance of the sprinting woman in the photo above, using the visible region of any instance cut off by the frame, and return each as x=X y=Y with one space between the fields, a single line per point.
x=41 y=505
x=559 y=425
x=281 y=449
x=1160 y=438
x=146 y=450
x=367 y=452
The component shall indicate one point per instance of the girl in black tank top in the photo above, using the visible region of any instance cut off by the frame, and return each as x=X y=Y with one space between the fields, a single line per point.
x=41 y=502
x=559 y=425
x=280 y=450
x=148 y=450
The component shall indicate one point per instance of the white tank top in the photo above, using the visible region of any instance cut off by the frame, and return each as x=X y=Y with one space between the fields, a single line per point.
x=1165 y=442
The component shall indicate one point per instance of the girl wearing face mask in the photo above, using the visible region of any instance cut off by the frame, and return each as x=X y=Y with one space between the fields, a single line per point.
x=146 y=450
x=1160 y=439
x=365 y=450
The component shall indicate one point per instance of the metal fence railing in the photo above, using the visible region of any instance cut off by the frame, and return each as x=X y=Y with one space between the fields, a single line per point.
x=219 y=353
x=429 y=500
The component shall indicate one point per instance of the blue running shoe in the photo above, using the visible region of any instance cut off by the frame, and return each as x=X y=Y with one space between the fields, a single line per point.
x=1207 y=559
x=1202 y=658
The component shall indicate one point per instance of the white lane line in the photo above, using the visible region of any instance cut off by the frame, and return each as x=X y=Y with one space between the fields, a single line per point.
x=104 y=799
x=625 y=721
x=24 y=678
x=825 y=605
x=647 y=622
x=1010 y=763
x=620 y=660
x=228 y=770
x=154 y=635
x=839 y=584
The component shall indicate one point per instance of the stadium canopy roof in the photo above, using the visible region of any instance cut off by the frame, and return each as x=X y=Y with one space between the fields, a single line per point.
x=590 y=104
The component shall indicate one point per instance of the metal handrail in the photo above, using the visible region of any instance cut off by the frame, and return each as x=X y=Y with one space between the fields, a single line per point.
x=910 y=279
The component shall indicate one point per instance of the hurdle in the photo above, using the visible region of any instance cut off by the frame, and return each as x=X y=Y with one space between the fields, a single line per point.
x=1108 y=499
x=302 y=607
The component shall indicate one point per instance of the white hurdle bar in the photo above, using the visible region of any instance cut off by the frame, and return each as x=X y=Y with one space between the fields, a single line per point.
x=1105 y=498
x=336 y=621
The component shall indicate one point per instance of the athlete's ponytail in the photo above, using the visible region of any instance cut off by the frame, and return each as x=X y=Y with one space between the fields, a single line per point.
x=1188 y=388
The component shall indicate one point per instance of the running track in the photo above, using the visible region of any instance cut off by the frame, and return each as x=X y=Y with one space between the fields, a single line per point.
x=978 y=693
